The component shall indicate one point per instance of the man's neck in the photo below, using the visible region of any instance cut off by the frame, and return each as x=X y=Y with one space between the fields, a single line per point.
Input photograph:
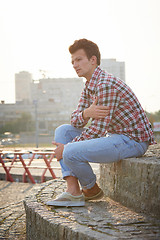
x=88 y=78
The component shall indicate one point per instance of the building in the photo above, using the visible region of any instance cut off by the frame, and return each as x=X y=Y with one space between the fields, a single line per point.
x=63 y=91
x=54 y=99
x=23 y=81
x=114 y=67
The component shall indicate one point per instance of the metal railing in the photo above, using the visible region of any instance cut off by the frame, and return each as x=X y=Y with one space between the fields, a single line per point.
x=19 y=156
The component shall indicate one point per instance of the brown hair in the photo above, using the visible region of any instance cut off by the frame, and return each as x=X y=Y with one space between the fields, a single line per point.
x=90 y=48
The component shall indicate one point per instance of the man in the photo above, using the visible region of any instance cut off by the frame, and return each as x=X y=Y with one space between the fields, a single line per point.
x=119 y=127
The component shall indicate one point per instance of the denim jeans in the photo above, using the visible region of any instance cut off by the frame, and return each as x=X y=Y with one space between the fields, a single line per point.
x=77 y=155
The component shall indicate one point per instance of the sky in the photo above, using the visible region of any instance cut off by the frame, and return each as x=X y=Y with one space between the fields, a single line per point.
x=35 y=35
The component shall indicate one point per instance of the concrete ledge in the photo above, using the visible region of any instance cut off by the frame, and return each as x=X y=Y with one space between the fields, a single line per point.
x=98 y=220
x=19 y=178
x=135 y=182
x=43 y=222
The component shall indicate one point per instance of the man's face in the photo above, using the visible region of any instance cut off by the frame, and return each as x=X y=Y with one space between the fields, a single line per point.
x=81 y=64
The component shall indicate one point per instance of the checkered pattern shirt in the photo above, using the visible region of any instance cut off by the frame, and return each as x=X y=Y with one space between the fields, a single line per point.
x=126 y=114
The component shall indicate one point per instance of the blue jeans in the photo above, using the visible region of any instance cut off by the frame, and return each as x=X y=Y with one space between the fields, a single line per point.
x=77 y=155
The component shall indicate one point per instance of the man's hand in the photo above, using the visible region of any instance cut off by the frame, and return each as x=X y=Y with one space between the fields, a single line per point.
x=59 y=150
x=95 y=111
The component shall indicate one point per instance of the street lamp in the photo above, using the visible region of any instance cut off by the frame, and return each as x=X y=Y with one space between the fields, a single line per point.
x=35 y=102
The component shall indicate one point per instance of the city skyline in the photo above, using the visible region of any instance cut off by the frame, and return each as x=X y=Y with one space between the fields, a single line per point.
x=36 y=35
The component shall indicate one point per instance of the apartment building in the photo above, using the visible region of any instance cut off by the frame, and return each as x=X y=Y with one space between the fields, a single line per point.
x=115 y=67
x=53 y=99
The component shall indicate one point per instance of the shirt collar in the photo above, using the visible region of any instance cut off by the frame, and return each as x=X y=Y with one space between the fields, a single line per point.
x=93 y=81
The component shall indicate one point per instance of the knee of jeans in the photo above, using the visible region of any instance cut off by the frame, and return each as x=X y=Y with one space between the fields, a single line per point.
x=67 y=154
x=60 y=131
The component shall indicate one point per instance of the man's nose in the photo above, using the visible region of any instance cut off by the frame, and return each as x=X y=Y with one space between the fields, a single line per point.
x=75 y=64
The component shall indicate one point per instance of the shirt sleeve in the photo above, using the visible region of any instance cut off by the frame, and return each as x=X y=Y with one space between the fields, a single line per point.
x=107 y=96
x=77 y=119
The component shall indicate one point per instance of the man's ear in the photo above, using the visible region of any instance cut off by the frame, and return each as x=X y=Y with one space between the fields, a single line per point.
x=94 y=60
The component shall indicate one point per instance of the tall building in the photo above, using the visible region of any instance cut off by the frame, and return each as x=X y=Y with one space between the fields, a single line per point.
x=114 y=67
x=64 y=91
x=23 y=82
x=54 y=99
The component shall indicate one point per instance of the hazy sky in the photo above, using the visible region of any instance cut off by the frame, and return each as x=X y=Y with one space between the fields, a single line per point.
x=35 y=34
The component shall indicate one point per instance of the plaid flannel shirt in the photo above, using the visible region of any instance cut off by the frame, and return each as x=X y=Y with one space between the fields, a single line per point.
x=126 y=114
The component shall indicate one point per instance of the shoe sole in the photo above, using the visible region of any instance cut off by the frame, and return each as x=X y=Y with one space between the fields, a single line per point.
x=65 y=204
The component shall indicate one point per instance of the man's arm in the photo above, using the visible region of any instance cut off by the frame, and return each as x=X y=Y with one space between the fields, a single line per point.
x=86 y=110
x=77 y=119
x=95 y=111
x=107 y=96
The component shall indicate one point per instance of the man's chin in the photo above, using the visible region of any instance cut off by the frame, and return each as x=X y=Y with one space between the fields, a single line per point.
x=80 y=74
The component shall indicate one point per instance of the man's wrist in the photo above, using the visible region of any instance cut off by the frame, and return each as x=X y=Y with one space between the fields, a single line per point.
x=84 y=114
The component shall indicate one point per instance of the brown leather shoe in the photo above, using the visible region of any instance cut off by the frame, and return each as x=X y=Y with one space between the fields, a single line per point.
x=95 y=197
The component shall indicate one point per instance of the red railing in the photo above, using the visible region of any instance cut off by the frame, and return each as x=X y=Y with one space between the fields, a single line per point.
x=18 y=156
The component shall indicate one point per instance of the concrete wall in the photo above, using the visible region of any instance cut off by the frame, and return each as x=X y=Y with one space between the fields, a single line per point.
x=134 y=182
